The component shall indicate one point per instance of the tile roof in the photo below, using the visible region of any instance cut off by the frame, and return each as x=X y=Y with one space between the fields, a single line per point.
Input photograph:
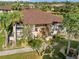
x=5 y=8
x=35 y=16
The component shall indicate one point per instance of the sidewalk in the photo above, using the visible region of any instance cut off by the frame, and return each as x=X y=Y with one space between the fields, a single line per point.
x=9 y=52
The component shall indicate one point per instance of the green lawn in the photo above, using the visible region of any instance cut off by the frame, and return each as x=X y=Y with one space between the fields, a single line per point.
x=29 y=55
x=2 y=38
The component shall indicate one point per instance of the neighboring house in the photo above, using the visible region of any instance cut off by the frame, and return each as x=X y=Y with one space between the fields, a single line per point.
x=31 y=6
x=42 y=22
x=6 y=8
x=57 y=5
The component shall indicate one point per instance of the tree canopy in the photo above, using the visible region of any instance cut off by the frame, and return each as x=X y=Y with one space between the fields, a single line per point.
x=71 y=22
x=35 y=44
x=5 y=21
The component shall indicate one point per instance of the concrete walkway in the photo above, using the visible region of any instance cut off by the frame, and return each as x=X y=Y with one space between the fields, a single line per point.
x=9 y=52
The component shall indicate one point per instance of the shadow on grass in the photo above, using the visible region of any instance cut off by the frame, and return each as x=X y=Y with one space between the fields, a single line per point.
x=56 y=56
x=47 y=57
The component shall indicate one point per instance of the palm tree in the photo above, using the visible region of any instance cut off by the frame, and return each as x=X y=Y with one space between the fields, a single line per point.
x=4 y=25
x=5 y=20
x=16 y=6
x=15 y=17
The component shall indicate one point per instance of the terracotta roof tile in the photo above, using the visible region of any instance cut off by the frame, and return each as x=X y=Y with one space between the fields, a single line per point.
x=34 y=16
x=6 y=8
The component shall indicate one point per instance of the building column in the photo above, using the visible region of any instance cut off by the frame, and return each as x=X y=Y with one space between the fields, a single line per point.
x=15 y=36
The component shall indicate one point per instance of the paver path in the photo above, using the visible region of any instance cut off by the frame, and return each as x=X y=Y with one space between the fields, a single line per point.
x=70 y=57
x=3 y=53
